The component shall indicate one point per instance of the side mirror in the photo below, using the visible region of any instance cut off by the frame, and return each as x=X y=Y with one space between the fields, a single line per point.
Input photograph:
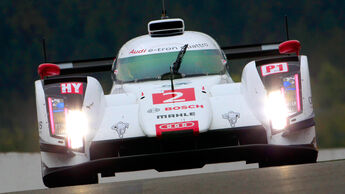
x=290 y=46
x=48 y=69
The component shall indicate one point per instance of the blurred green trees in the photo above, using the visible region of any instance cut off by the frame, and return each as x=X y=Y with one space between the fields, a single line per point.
x=93 y=29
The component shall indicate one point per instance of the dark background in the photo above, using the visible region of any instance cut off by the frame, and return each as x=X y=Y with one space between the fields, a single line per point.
x=83 y=29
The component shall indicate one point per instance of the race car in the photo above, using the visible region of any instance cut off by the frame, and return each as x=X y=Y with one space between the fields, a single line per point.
x=173 y=105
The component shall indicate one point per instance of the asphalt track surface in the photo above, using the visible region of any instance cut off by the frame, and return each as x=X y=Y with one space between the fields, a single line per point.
x=323 y=177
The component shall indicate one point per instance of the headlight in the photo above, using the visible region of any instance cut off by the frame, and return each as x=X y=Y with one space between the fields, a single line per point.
x=291 y=88
x=76 y=128
x=283 y=101
x=277 y=109
x=68 y=124
x=57 y=117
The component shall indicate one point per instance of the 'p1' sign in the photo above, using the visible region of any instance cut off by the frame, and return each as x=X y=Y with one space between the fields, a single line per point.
x=274 y=68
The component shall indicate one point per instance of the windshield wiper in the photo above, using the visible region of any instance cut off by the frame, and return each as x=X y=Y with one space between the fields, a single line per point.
x=176 y=65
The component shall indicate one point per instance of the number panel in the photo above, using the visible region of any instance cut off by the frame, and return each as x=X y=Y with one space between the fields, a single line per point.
x=178 y=95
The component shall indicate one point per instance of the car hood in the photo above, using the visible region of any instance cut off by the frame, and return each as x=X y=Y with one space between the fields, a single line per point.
x=186 y=108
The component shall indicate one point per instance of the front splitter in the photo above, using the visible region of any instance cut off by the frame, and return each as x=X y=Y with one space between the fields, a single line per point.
x=266 y=155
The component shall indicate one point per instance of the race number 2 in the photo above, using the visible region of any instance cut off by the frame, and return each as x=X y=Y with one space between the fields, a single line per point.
x=274 y=68
x=178 y=95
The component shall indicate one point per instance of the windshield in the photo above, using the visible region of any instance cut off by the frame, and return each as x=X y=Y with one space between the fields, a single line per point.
x=151 y=67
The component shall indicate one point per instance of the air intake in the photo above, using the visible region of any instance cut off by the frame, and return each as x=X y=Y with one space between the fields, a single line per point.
x=166 y=27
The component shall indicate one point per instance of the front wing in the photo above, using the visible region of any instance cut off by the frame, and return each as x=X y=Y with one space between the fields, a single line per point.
x=164 y=154
x=187 y=159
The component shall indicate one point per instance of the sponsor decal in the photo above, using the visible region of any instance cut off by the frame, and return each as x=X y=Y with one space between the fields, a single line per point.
x=176 y=48
x=153 y=110
x=178 y=95
x=198 y=45
x=162 y=49
x=274 y=68
x=142 y=96
x=176 y=84
x=90 y=105
x=184 y=107
x=178 y=126
x=40 y=124
x=232 y=117
x=289 y=85
x=224 y=61
x=203 y=90
x=133 y=51
x=168 y=116
x=58 y=105
x=167 y=49
x=120 y=128
x=71 y=88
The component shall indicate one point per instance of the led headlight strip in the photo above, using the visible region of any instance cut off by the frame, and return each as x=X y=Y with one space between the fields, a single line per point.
x=51 y=116
x=298 y=99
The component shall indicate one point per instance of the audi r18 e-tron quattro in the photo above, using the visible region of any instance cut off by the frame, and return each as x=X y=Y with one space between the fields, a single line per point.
x=173 y=105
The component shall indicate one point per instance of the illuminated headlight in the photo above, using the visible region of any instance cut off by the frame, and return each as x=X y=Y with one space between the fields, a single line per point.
x=277 y=110
x=76 y=128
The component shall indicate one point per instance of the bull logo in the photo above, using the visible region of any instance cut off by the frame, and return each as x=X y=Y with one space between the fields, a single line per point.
x=232 y=117
x=120 y=128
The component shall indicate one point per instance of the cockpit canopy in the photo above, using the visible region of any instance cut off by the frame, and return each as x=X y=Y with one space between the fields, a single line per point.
x=149 y=57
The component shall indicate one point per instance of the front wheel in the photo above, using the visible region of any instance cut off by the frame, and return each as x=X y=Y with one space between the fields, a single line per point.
x=282 y=163
x=70 y=181
x=60 y=178
x=289 y=157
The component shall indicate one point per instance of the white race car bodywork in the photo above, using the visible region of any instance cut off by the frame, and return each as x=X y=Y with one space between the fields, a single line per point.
x=148 y=109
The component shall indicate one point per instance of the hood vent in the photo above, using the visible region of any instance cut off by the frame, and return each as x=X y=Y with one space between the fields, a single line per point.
x=166 y=27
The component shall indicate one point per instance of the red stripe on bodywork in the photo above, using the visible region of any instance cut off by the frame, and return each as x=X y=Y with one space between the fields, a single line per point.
x=297 y=93
x=51 y=116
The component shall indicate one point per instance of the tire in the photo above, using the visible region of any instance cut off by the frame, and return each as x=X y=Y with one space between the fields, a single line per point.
x=58 y=178
x=283 y=163
x=290 y=157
